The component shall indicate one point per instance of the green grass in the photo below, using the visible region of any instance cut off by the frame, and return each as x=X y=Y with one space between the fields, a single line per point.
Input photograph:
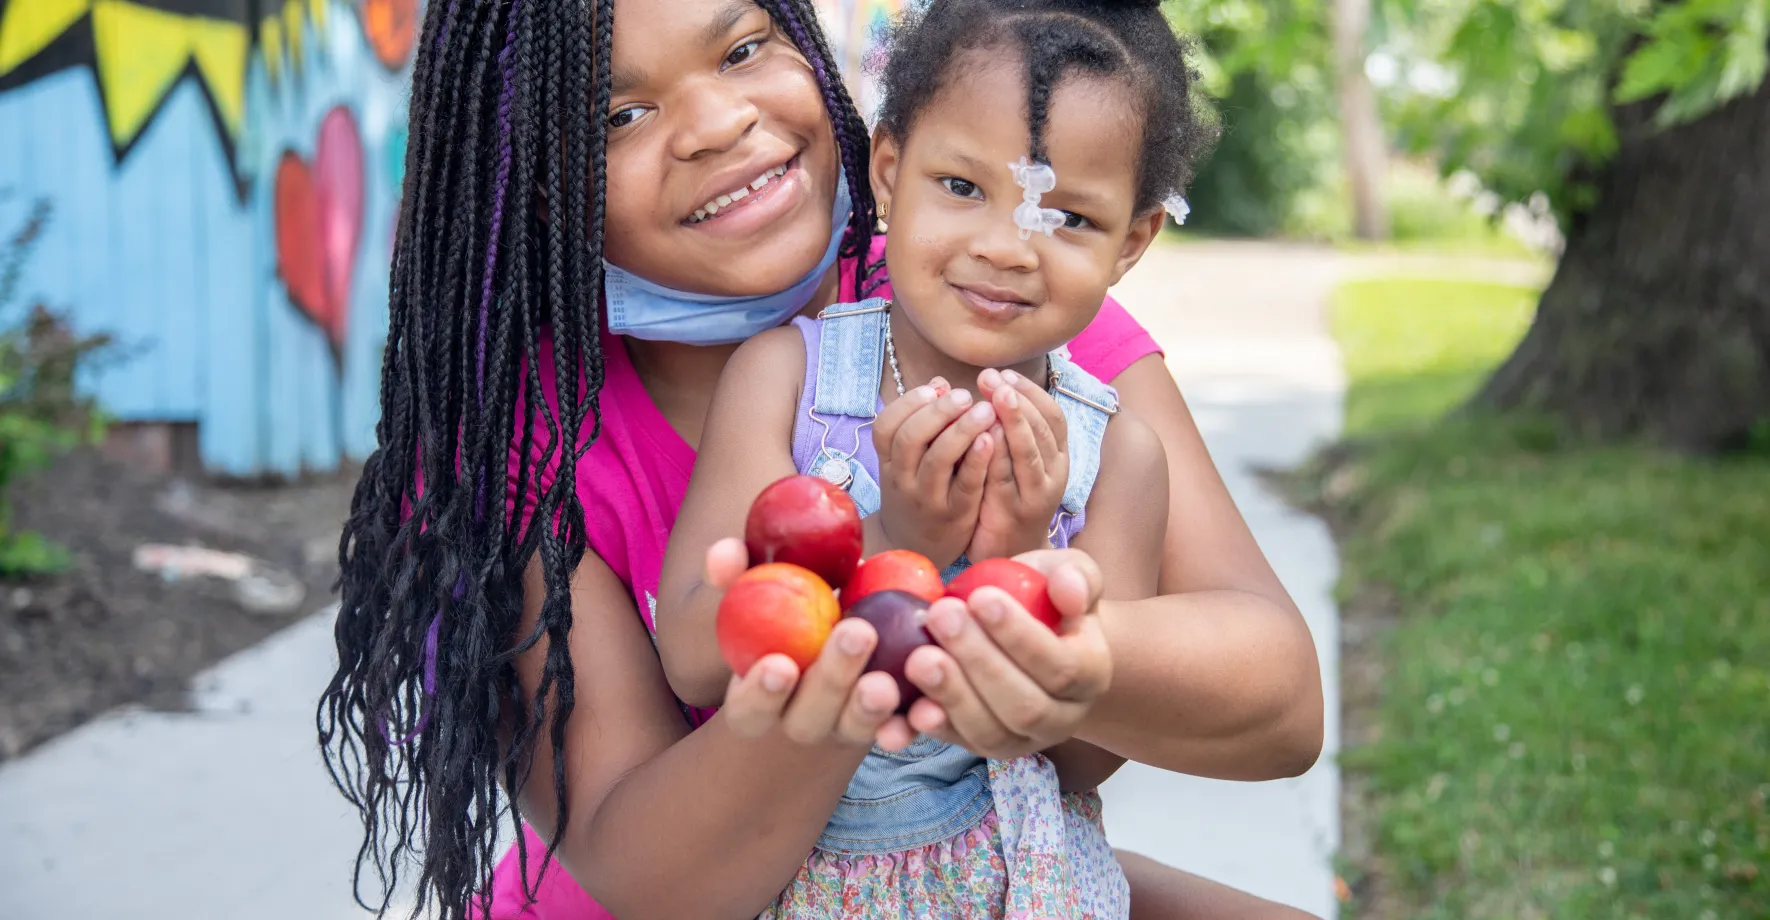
x=1575 y=714
x=1414 y=348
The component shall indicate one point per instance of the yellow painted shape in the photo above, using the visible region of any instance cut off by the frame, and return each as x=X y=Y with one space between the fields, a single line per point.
x=32 y=24
x=270 y=40
x=220 y=49
x=316 y=11
x=140 y=52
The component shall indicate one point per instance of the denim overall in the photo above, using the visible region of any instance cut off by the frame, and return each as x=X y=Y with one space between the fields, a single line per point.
x=931 y=790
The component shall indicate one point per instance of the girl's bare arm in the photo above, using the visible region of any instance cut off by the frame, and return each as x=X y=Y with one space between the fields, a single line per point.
x=666 y=823
x=1127 y=516
x=745 y=445
x=1218 y=675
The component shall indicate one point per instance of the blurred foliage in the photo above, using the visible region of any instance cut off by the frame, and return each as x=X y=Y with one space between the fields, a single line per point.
x=1267 y=65
x=1519 y=92
x=42 y=413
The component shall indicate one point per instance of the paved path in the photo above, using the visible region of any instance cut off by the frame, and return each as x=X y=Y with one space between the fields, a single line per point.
x=1244 y=330
x=225 y=813
x=221 y=813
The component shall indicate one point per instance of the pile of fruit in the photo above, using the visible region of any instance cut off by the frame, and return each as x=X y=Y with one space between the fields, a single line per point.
x=804 y=538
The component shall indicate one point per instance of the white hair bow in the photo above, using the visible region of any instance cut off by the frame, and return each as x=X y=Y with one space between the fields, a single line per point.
x=1036 y=179
x=1177 y=207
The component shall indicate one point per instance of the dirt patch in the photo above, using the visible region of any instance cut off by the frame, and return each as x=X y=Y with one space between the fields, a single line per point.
x=102 y=633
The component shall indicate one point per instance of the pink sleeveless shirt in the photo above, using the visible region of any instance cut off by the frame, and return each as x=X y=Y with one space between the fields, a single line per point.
x=631 y=482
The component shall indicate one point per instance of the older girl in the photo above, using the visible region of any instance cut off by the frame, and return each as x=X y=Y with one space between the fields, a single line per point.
x=505 y=540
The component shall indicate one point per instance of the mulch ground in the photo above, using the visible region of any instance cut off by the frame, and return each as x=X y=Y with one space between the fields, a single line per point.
x=102 y=633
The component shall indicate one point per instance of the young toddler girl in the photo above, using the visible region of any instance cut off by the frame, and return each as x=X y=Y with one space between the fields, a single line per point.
x=1026 y=153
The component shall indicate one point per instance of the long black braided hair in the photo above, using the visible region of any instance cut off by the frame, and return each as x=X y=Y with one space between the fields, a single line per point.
x=499 y=241
x=1128 y=39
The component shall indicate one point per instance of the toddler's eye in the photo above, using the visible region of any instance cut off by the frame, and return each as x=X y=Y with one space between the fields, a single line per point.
x=1074 y=221
x=743 y=53
x=961 y=187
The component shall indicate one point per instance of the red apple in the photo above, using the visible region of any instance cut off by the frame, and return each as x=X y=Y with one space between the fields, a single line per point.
x=895 y=569
x=1022 y=582
x=898 y=618
x=775 y=608
x=809 y=522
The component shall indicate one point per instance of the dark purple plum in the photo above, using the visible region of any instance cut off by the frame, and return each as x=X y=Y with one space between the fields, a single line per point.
x=898 y=618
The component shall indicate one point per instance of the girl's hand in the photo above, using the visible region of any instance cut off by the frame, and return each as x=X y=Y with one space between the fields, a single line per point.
x=1000 y=683
x=831 y=703
x=1026 y=480
x=934 y=450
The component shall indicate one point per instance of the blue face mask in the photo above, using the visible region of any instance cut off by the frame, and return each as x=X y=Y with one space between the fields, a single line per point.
x=646 y=310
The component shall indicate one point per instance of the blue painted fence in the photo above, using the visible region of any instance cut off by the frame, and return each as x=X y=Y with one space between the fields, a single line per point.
x=168 y=237
x=224 y=177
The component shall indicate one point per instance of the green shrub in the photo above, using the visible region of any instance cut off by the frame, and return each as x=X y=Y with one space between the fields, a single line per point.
x=42 y=413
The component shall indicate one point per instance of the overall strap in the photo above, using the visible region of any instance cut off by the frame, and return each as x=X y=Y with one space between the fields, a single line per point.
x=852 y=360
x=1088 y=405
x=844 y=358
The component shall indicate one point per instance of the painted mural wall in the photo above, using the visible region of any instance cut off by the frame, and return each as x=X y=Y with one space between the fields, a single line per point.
x=856 y=30
x=222 y=177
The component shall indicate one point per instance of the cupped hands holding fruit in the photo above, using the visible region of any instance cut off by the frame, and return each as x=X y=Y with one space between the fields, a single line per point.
x=1009 y=662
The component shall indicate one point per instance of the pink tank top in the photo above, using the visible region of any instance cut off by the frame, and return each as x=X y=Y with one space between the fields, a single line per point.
x=631 y=482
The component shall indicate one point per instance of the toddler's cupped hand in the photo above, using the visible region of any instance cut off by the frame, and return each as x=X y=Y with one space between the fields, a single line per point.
x=1026 y=478
x=934 y=452
x=833 y=702
x=1001 y=683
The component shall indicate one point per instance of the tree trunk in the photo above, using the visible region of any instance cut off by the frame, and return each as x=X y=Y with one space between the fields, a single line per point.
x=1657 y=322
x=1360 y=125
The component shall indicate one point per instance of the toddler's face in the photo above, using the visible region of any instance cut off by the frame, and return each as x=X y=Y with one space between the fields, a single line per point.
x=960 y=271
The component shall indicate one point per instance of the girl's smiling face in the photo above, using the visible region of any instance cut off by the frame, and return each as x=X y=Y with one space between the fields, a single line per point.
x=968 y=283
x=722 y=162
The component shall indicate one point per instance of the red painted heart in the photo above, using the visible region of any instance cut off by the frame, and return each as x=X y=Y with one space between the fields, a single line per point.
x=319 y=220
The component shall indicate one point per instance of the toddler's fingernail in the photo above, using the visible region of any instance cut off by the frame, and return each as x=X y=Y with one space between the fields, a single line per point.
x=1010 y=398
x=980 y=412
x=989 y=609
x=936 y=676
x=773 y=681
x=923 y=392
x=852 y=642
x=1011 y=376
x=945 y=622
x=961 y=398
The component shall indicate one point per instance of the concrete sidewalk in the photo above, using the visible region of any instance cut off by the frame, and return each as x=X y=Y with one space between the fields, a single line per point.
x=1245 y=335
x=226 y=813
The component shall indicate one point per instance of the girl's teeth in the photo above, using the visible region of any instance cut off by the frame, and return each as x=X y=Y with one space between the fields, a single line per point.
x=724 y=201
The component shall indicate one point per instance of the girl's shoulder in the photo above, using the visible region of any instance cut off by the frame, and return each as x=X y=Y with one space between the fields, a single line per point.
x=1112 y=342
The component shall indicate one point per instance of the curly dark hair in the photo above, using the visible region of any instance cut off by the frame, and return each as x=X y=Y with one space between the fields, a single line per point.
x=499 y=244
x=1109 y=38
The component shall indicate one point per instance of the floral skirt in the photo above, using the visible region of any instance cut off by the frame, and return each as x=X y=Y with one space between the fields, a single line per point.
x=1037 y=854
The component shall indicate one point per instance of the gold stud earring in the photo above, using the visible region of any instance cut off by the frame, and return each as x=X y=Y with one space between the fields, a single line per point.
x=884 y=210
